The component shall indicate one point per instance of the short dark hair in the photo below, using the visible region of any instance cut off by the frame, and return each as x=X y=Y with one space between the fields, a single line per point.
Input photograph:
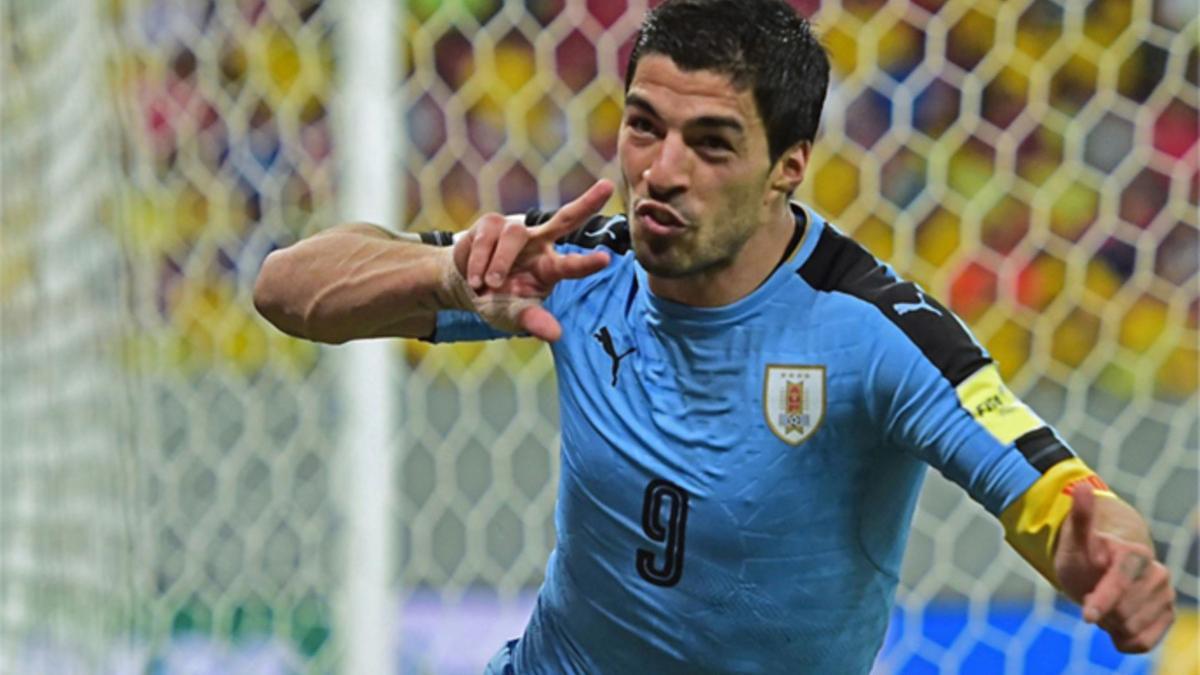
x=761 y=44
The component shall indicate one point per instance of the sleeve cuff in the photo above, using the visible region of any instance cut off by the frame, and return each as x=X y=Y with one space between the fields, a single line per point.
x=1033 y=521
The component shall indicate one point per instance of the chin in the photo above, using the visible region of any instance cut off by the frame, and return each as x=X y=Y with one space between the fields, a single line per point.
x=657 y=260
x=664 y=271
x=664 y=265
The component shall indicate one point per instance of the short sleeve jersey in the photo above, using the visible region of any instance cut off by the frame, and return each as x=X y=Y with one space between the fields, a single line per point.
x=737 y=483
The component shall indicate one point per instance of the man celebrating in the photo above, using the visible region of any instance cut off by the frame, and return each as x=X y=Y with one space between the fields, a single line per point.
x=748 y=398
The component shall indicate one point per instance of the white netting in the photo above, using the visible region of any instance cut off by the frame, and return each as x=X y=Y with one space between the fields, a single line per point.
x=67 y=479
x=167 y=459
x=165 y=462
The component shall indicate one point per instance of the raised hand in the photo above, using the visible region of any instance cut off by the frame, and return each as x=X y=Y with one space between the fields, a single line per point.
x=509 y=268
x=1104 y=562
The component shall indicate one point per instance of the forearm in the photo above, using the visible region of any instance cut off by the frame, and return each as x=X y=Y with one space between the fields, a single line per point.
x=354 y=281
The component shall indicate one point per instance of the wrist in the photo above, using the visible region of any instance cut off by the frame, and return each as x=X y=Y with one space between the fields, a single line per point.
x=1116 y=518
x=452 y=290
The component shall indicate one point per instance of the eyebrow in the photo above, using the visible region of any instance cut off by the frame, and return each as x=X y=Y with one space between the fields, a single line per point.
x=705 y=121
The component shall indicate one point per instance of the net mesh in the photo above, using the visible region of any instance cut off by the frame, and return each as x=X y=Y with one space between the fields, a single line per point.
x=168 y=460
x=66 y=483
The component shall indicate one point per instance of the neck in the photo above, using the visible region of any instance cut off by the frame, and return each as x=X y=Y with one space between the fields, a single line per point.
x=749 y=269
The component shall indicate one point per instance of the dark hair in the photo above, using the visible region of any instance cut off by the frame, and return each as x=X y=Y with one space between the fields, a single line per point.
x=759 y=44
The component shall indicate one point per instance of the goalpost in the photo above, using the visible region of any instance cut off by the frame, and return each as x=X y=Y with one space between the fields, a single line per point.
x=368 y=130
x=181 y=486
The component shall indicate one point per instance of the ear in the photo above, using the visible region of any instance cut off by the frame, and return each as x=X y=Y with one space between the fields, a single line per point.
x=788 y=172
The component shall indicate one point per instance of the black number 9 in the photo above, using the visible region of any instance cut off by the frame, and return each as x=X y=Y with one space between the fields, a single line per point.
x=669 y=534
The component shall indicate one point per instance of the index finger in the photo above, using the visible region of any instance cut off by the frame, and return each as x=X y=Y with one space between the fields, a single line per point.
x=575 y=213
x=1108 y=591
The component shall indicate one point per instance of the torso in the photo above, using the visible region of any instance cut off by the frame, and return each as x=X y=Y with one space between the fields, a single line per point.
x=727 y=504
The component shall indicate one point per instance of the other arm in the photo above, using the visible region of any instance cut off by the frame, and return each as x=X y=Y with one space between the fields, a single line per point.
x=1056 y=512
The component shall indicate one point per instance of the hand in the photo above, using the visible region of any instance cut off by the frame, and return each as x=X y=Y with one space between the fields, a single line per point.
x=1113 y=573
x=510 y=268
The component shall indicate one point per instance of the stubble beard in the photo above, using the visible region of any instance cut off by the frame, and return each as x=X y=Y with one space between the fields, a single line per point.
x=684 y=257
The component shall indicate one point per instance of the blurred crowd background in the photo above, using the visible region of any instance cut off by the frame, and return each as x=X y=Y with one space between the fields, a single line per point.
x=1032 y=163
x=1038 y=163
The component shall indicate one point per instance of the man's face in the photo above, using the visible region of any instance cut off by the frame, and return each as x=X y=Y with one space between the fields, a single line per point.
x=695 y=167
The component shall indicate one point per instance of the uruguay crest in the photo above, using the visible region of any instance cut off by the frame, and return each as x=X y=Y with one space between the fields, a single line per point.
x=794 y=401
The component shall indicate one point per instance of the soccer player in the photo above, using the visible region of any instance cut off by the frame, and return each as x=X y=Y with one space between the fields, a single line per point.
x=748 y=398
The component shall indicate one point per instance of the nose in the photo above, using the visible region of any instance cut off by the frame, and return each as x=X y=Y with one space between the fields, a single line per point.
x=668 y=173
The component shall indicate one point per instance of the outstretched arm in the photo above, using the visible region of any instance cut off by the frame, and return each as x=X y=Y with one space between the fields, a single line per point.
x=1104 y=559
x=360 y=281
x=1093 y=546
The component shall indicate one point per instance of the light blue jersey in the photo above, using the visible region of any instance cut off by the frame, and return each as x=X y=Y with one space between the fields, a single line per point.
x=737 y=483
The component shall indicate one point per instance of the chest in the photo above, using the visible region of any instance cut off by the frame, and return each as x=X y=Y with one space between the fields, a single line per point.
x=751 y=395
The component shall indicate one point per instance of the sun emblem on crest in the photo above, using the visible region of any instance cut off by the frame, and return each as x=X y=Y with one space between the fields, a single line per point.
x=794 y=401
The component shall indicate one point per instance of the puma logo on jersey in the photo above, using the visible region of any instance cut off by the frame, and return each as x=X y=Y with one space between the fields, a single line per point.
x=606 y=342
x=606 y=231
x=903 y=308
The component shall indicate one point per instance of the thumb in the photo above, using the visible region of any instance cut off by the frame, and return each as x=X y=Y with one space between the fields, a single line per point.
x=540 y=323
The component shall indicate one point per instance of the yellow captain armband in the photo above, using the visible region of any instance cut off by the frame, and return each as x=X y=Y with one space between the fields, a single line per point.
x=1031 y=524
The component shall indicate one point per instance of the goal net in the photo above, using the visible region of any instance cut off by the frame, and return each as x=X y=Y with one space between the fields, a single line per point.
x=172 y=474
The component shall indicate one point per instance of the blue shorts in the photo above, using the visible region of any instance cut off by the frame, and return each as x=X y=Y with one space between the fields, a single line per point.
x=501 y=663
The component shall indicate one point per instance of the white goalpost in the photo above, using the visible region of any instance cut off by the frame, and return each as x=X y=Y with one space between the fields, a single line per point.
x=368 y=135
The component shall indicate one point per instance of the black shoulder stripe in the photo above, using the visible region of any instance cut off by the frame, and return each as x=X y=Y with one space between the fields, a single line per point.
x=1042 y=449
x=839 y=264
x=437 y=238
x=537 y=217
x=611 y=232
